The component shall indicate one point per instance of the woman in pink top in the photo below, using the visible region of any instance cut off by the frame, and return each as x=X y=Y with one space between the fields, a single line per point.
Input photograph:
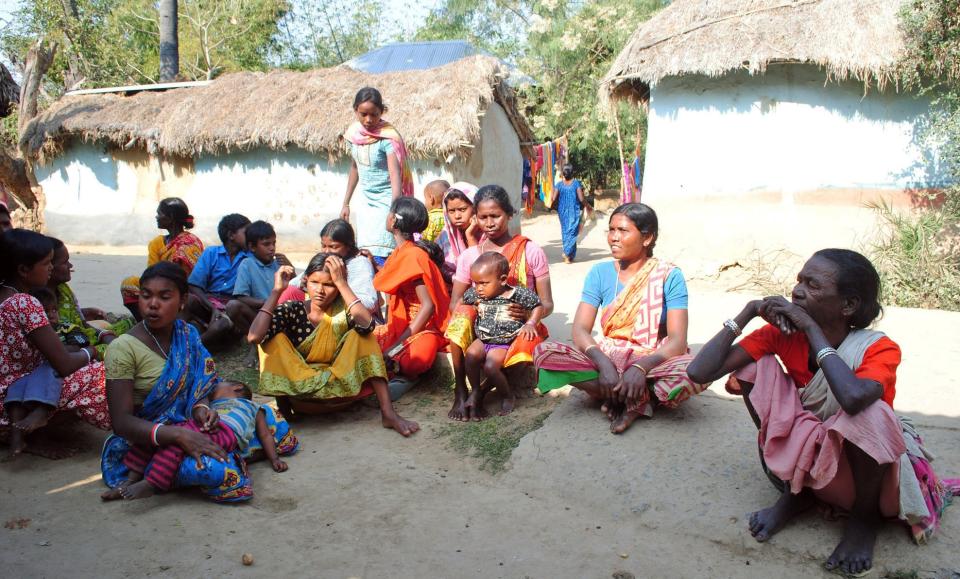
x=528 y=268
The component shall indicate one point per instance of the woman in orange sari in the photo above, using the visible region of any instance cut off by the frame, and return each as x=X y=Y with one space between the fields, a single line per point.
x=528 y=268
x=178 y=245
x=418 y=304
x=641 y=359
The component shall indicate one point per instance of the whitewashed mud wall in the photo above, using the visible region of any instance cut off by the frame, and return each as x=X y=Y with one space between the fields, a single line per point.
x=98 y=195
x=787 y=135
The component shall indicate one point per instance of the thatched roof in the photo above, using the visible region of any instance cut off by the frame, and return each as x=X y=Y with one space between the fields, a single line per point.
x=437 y=111
x=849 y=38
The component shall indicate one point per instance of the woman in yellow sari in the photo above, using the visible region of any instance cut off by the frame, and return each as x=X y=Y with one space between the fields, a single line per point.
x=320 y=355
x=641 y=360
x=178 y=245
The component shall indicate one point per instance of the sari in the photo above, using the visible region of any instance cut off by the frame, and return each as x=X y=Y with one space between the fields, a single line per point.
x=333 y=364
x=69 y=309
x=188 y=377
x=802 y=431
x=460 y=328
x=184 y=250
x=405 y=266
x=360 y=135
x=632 y=328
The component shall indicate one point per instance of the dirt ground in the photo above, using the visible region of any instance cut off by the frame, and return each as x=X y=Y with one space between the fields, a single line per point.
x=667 y=499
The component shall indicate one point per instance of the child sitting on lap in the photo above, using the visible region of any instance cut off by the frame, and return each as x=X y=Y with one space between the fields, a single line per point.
x=495 y=328
x=260 y=433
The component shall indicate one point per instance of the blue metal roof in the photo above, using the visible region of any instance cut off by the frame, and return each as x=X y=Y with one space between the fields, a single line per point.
x=412 y=56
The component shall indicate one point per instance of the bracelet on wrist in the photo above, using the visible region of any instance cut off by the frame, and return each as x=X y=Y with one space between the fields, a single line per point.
x=639 y=367
x=822 y=354
x=153 y=434
x=266 y=311
x=733 y=326
x=200 y=405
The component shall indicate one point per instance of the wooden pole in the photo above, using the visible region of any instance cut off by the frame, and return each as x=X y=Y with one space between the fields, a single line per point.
x=623 y=178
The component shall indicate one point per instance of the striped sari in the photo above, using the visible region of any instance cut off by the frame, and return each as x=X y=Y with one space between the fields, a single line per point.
x=632 y=328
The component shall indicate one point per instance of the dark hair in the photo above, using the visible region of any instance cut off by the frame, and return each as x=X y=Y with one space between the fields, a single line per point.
x=247 y=392
x=317 y=263
x=455 y=194
x=342 y=232
x=644 y=218
x=57 y=244
x=176 y=209
x=368 y=94
x=410 y=217
x=21 y=247
x=45 y=296
x=498 y=195
x=856 y=277
x=259 y=230
x=229 y=224
x=494 y=259
x=567 y=171
x=169 y=271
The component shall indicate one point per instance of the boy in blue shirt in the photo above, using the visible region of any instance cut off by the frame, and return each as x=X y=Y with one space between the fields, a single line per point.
x=213 y=278
x=255 y=278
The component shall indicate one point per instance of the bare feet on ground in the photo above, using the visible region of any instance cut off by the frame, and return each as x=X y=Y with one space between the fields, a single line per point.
x=138 y=490
x=853 y=557
x=400 y=424
x=17 y=445
x=37 y=418
x=622 y=422
x=457 y=411
x=767 y=522
x=506 y=406
x=117 y=492
x=473 y=409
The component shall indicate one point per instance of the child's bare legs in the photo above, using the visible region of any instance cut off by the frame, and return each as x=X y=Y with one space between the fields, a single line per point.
x=38 y=417
x=15 y=413
x=388 y=416
x=493 y=368
x=474 y=359
x=458 y=412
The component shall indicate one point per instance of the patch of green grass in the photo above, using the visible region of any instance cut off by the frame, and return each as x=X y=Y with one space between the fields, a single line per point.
x=493 y=440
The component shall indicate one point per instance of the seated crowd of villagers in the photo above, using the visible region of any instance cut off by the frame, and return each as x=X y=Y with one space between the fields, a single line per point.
x=369 y=315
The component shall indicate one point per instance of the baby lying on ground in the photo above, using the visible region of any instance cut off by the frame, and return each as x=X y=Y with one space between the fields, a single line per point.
x=253 y=430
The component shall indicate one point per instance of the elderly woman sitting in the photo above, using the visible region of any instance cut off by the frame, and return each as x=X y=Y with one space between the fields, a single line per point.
x=827 y=427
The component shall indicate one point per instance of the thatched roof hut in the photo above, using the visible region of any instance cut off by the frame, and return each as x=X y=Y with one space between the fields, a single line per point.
x=857 y=39
x=438 y=112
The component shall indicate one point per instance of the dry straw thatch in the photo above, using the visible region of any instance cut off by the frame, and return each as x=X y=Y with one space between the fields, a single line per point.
x=857 y=39
x=437 y=111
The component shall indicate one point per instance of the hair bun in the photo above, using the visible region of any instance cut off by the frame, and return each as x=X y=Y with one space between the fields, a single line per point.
x=188 y=222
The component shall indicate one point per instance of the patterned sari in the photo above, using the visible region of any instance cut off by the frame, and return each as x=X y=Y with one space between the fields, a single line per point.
x=632 y=328
x=69 y=310
x=460 y=328
x=183 y=250
x=332 y=364
x=188 y=377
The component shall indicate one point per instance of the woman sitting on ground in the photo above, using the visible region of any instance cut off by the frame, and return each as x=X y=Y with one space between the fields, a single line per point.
x=91 y=321
x=418 y=303
x=337 y=238
x=159 y=381
x=827 y=427
x=178 y=245
x=30 y=347
x=528 y=269
x=640 y=361
x=320 y=355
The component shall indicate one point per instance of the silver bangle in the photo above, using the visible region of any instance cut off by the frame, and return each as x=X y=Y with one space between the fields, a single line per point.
x=200 y=405
x=89 y=357
x=828 y=351
x=733 y=327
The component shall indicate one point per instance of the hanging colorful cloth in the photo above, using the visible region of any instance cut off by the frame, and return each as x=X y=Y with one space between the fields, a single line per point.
x=526 y=187
x=636 y=180
x=626 y=193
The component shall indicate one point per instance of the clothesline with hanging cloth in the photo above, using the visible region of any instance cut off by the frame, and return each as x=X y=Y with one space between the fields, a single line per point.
x=540 y=172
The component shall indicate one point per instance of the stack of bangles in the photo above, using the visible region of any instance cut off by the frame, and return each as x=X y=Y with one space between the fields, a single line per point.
x=733 y=327
x=153 y=434
x=822 y=354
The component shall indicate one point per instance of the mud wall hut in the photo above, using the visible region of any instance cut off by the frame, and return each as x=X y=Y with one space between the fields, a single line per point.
x=792 y=102
x=267 y=145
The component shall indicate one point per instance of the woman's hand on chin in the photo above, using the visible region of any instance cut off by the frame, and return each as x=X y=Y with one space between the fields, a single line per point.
x=197 y=445
x=787 y=316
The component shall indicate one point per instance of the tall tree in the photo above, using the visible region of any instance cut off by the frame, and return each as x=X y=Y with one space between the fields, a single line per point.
x=169 y=41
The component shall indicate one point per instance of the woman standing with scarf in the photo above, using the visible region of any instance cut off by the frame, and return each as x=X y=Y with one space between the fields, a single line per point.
x=379 y=166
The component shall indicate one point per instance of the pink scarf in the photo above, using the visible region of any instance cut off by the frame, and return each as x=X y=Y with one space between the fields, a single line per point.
x=359 y=135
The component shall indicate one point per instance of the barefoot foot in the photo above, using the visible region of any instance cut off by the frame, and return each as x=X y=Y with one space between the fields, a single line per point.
x=138 y=490
x=506 y=406
x=473 y=409
x=115 y=493
x=400 y=424
x=457 y=411
x=37 y=418
x=622 y=423
x=767 y=522
x=853 y=557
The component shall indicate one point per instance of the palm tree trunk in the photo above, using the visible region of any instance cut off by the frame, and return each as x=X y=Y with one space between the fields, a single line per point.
x=169 y=41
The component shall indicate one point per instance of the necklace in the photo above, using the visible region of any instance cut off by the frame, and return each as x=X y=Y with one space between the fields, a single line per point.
x=155 y=340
